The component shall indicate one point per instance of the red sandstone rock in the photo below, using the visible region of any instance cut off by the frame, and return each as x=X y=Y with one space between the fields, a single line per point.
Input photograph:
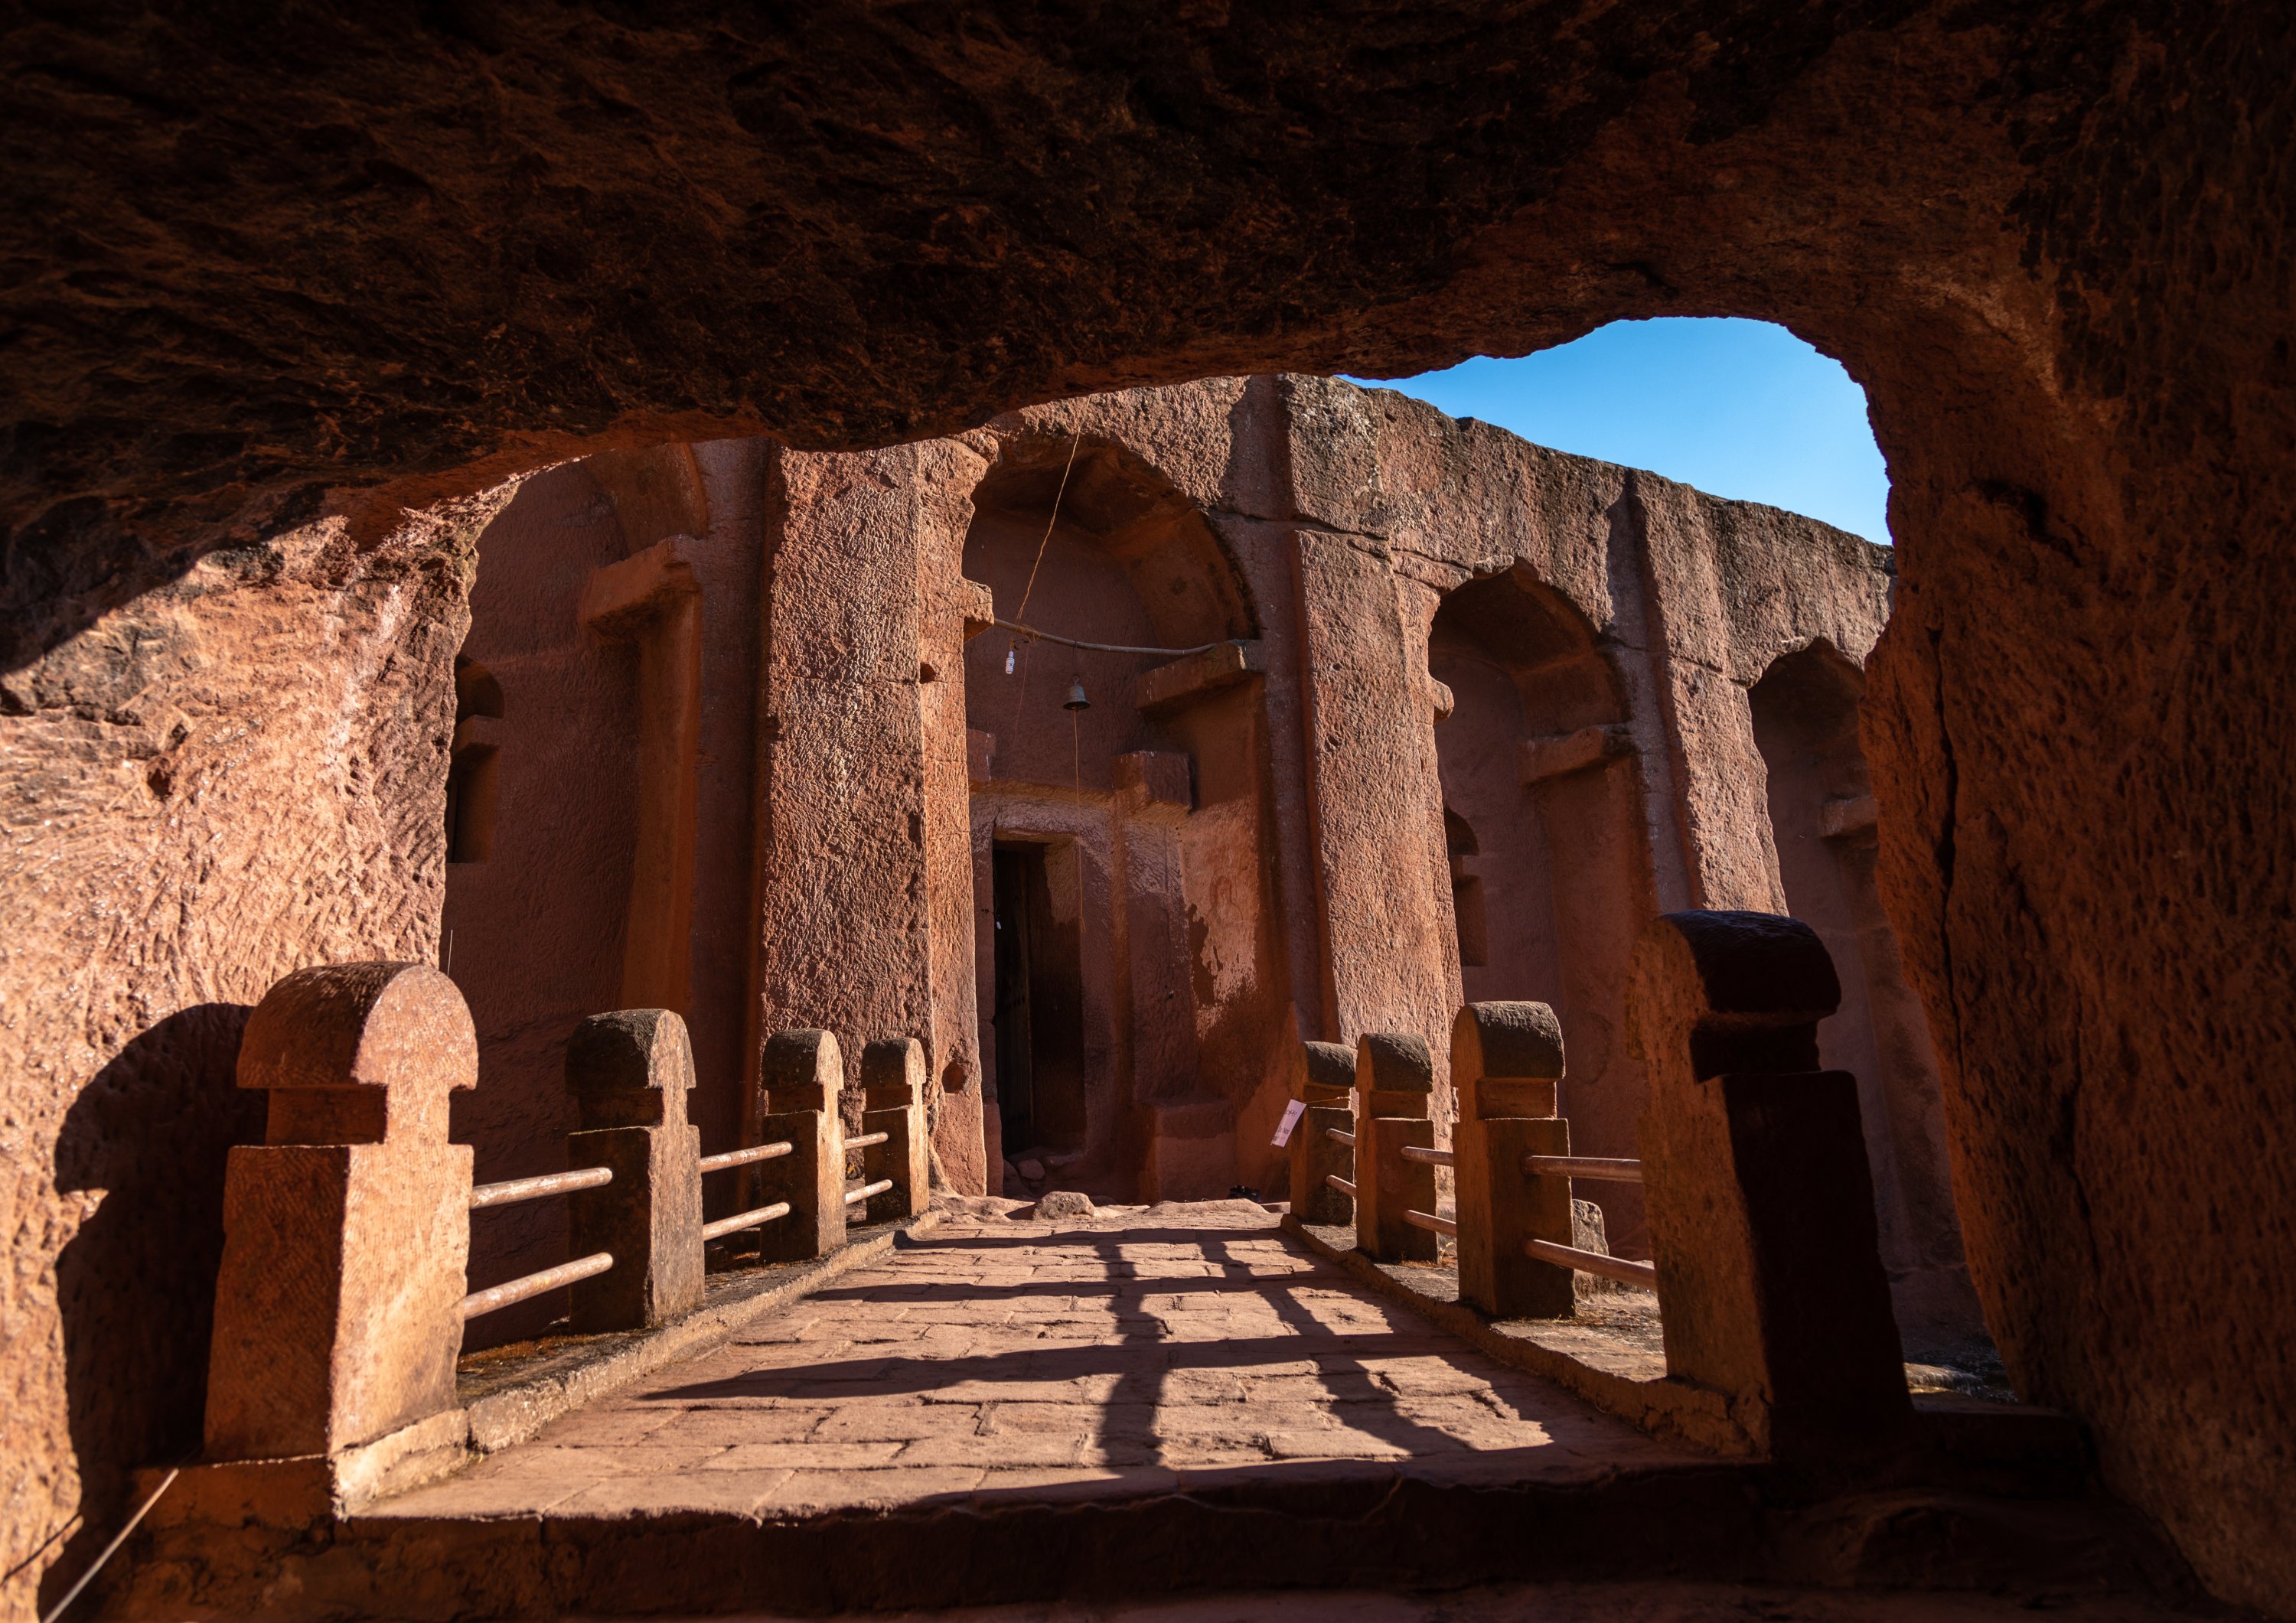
x=255 y=263
x=338 y=1296
x=1241 y=846
x=1769 y=1276
x=1674 y=814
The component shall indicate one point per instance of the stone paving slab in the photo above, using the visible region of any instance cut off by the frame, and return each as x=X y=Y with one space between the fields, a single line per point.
x=1625 y=1603
x=1062 y=1415
x=1100 y=1357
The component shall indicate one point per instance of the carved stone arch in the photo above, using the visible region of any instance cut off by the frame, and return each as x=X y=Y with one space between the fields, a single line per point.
x=1109 y=495
x=1547 y=906
x=1823 y=818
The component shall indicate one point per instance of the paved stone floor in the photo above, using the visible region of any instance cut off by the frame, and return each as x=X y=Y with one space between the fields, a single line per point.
x=1629 y=1602
x=1126 y=1353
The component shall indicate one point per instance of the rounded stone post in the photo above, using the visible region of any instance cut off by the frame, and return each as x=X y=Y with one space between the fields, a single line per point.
x=338 y=1306
x=1394 y=1086
x=1506 y=1063
x=800 y=1079
x=1770 y=1282
x=893 y=1077
x=1324 y=1077
x=629 y=1073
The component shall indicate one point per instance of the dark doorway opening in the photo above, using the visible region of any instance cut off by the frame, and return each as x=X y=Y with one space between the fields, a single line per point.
x=1039 y=1009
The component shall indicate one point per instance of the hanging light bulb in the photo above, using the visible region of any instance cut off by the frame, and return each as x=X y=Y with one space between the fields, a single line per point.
x=1010 y=655
x=1076 y=699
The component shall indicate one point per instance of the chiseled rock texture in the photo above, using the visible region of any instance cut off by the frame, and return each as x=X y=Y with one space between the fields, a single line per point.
x=263 y=263
x=234 y=776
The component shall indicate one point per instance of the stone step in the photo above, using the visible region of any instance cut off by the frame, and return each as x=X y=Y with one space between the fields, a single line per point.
x=1129 y=1534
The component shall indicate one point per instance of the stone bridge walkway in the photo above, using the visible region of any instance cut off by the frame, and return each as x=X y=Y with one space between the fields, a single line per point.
x=1085 y=1418
x=1153 y=1350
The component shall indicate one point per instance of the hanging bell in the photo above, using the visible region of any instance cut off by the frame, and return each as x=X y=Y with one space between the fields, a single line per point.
x=1076 y=699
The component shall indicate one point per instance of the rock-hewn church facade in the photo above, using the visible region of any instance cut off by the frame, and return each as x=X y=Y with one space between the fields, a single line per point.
x=1115 y=749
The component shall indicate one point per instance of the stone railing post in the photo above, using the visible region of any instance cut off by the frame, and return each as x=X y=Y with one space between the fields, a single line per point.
x=1506 y=1063
x=893 y=1077
x=629 y=1073
x=801 y=1077
x=1770 y=1284
x=1395 y=1084
x=1324 y=1080
x=338 y=1306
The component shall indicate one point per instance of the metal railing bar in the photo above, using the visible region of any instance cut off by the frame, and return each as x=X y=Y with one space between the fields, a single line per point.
x=534 y=1284
x=745 y=1219
x=1341 y=1184
x=867 y=1190
x=513 y=1190
x=1428 y=1220
x=1623 y=1269
x=742 y=1158
x=1431 y=1158
x=862 y=1140
x=1340 y=1135
x=1604 y=1169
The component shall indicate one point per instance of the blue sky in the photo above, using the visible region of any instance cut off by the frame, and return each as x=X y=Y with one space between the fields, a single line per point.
x=1738 y=408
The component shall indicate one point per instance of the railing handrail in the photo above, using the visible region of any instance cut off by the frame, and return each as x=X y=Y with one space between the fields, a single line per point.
x=1429 y=1221
x=519 y=1290
x=1341 y=1184
x=1340 y=1135
x=745 y=1219
x=635 y=1252
x=510 y=1190
x=1624 y=1269
x=1432 y=1158
x=742 y=1158
x=1598 y=1169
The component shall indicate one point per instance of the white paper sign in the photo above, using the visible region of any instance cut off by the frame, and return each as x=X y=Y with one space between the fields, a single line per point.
x=1292 y=1114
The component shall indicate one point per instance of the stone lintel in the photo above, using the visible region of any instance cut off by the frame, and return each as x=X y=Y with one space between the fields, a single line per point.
x=619 y=598
x=975 y=605
x=1562 y=753
x=1847 y=814
x=1198 y=676
x=489 y=731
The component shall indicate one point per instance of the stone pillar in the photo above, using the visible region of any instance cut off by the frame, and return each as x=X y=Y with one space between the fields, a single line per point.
x=653 y=600
x=864 y=884
x=893 y=1080
x=1382 y=877
x=1395 y=1080
x=1761 y=1208
x=629 y=1073
x=338 y=1306
x=1324 y=1075
x=1698 y=591
x=798 y=1079
x=1506 y=1064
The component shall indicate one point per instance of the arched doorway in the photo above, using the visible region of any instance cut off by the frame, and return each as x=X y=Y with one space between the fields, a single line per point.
x=1118 y=807
x=1550 y=881
x=1822 y=817
x=598 y=809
